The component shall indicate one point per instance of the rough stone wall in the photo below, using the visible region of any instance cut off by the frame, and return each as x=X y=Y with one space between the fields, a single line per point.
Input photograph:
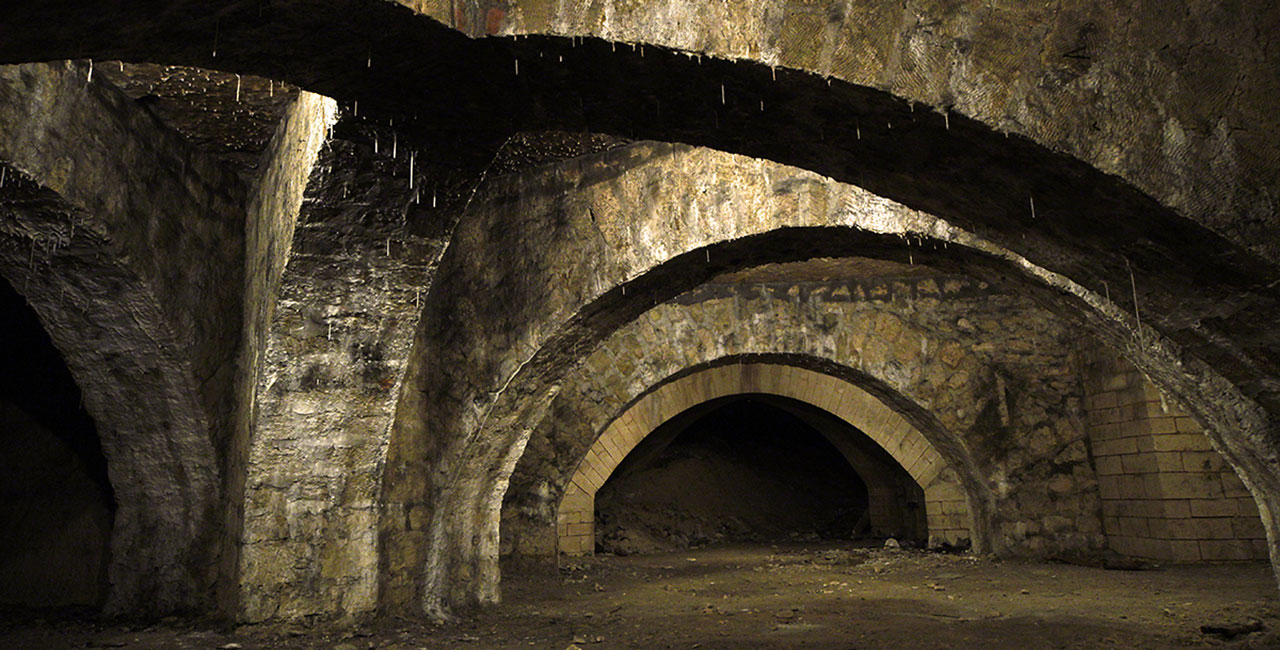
x=362 y=256
x=273 y=209
x=1166 y=493
x=550 y=262
x=1175 y=99
x=948 y=344
x=127 y=243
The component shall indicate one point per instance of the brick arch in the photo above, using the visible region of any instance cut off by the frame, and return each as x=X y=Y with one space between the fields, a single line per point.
x=946 y=503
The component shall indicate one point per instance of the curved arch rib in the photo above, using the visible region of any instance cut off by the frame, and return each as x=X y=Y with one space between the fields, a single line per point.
x=946 y=500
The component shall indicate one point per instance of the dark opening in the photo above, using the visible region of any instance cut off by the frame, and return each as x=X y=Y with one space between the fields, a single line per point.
x=56 y=503
x=735 y=469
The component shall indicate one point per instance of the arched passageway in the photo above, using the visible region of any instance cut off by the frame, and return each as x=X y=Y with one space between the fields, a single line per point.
x=1142 y=189
x=627 y=242
x=56 y=502
x=755 y=468
x=946 y=504
x=107 y=319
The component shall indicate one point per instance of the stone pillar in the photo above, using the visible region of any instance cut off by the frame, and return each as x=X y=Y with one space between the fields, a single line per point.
x=1166 y=493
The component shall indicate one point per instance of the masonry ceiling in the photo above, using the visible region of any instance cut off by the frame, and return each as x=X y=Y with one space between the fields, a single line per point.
x=456 y=101
x=229 y=115
x=827 y=269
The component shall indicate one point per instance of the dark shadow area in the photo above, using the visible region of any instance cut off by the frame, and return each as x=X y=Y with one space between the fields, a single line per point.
x=56 y=502
x=735 y=469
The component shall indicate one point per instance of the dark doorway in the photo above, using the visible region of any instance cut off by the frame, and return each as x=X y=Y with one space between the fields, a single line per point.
x=734 y=469
x=56 y=502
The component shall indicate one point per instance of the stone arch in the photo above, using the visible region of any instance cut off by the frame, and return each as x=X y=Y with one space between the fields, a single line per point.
x=958 y=55
x=906 y=338
x=1184 y=218
x=979 y=61
x=160 y=460
x=946 y=501
x=150 y=349
x=1196 y=189
x=619 y=245
x=960 y=60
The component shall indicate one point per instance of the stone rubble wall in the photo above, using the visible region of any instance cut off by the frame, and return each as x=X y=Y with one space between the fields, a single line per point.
x=939 y=343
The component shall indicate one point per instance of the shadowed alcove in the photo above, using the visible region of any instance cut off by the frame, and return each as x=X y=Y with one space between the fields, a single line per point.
x=56 y=502
x=754 y=468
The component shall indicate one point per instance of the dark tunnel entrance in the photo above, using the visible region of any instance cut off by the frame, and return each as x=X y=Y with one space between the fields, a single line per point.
x=754 y=468
x=56 y=502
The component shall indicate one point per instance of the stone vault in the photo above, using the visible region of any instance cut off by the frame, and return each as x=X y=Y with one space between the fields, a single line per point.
x=360 y=294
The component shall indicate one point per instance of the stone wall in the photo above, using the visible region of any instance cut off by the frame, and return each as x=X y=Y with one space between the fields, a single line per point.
x=127 y=242
x=330 y=364
x=1166 y=492
x=991 y=368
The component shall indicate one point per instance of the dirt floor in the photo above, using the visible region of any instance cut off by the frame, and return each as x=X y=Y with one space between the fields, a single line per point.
x=830 y=595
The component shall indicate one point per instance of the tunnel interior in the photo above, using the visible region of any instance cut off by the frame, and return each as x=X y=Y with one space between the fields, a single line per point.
x=330 y=451
x=56 y=501
x=751 y=468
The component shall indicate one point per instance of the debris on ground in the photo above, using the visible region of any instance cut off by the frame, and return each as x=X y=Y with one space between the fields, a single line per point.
x=827 y=594
x=1228 y=631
